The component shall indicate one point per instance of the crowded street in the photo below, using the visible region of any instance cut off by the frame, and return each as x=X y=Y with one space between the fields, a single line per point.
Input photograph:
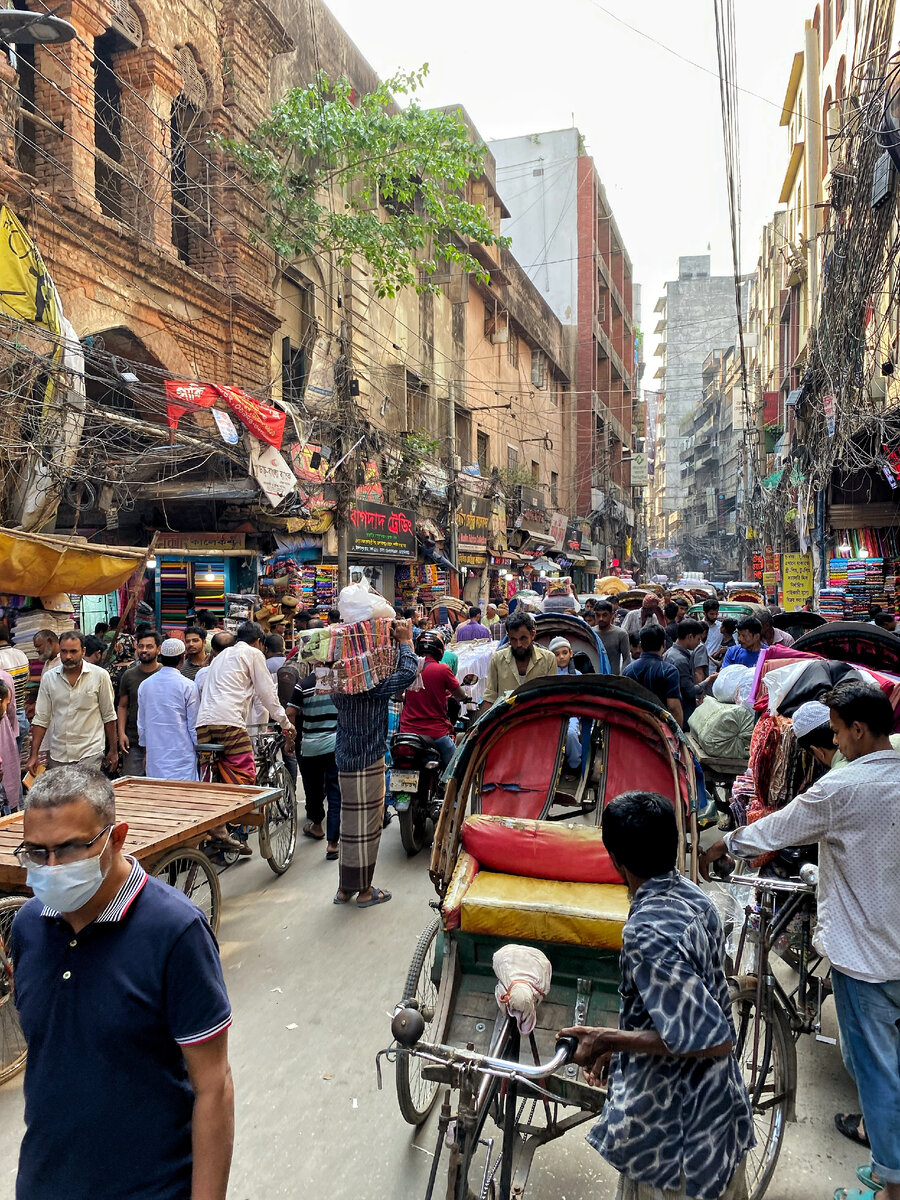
x=450 y=600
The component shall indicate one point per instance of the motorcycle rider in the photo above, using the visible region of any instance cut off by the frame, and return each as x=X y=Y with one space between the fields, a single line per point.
x=425 y=707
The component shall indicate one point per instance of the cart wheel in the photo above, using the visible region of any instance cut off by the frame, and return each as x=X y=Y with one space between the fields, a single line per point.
x=278 y=832
x=770 y=1082
x=415 y=1095
x=192 y=873
x=12 y=1040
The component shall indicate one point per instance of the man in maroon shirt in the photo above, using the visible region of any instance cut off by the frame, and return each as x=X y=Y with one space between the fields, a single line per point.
x=425 y=708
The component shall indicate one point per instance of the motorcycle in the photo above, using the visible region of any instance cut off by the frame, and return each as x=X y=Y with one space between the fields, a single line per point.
x=414 y=778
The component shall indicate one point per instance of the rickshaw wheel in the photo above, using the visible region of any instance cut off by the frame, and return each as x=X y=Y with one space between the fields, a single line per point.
x=278 y=832
x=192 y=873
x=770 y=1085
x=12 y=1040
x=415 y=1095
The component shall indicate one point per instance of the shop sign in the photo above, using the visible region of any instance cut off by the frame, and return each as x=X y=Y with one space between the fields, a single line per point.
x=531 y=503
x=471 y=559
x=640 y=472
x=770 y=582
x=381 y=531
x=473 y=518
x=772 y=565
x=573 y=541
x=798 y=580
x=271 y=472
x=203 y=543
x=558 y=524
x=759 y=565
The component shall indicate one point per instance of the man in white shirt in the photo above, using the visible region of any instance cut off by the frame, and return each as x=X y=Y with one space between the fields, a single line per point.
x=46 y=644
x=771 y=635
x=232 y=680
x=74 y=711
x=711 y=617
x=167 y=717
x=853 y=815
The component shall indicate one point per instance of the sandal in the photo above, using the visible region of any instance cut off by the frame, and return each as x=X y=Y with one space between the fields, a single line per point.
x=853 y=1194
x=338 y=899
x=378 y=897
x=848 y=1124
x=332 y=855
x=867 y=1176
x=306 y=830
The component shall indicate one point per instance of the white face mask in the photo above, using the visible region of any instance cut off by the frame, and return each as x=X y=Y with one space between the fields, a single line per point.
x=68 y=886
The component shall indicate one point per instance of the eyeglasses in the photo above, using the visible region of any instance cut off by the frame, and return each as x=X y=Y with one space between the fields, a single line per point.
x=68 y=852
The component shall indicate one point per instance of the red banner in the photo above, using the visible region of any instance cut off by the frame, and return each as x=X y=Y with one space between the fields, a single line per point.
x=187 y=397
x=262 y=420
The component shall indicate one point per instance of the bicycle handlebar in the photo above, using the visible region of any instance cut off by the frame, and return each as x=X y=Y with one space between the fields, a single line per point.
x=408 y=1026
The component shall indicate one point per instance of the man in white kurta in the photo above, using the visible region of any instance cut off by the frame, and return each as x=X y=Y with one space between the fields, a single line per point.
x=167 y=717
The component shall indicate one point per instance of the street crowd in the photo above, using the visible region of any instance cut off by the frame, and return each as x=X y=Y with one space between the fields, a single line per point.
x=117 y=976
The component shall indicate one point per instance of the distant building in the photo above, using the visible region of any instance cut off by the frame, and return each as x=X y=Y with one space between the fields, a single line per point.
x=565 y=236
x=697 y=314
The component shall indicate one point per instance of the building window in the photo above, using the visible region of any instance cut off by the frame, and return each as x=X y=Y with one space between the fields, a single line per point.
x=838 y=18
x=109 y=182
x=554 y=489
x=538 y=369
x=512 y=458
x=826 y=31
x=535 y=471
x=483 y=450
x=826 y=129
x=416 y=403
x=190 y=196
x=512 y=350
x=463 y=433
x=298 y=330
x=22 y=58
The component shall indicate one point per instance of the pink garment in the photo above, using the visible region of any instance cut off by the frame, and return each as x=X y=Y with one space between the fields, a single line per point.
x=9 y=752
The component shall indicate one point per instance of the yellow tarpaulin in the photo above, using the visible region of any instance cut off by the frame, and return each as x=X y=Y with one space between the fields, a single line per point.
x=38 y=565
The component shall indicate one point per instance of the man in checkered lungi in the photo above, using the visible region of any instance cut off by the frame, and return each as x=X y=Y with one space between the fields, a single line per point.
x=359 y=753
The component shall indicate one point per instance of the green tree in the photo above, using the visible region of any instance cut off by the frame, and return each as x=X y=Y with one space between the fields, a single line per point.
x=400 y=175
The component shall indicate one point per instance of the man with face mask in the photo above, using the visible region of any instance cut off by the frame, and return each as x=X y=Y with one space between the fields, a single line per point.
x=518 y=662
x=74 y=717
x=123 y=1005
x=148 y=644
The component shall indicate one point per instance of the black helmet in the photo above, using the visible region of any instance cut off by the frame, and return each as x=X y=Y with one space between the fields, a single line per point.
x=430 y=643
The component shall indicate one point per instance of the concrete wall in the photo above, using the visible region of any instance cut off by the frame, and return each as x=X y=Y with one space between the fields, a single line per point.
x=537 y=177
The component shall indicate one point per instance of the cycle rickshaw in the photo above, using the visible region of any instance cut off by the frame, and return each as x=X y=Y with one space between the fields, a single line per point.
x=509 y=865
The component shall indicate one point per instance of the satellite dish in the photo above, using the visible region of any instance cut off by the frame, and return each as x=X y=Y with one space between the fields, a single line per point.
x=33 y=29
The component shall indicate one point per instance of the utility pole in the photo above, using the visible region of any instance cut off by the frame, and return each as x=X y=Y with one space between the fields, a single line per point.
x=342 y=487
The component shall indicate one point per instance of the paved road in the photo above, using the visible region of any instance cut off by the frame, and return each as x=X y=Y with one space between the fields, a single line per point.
x=312 y=986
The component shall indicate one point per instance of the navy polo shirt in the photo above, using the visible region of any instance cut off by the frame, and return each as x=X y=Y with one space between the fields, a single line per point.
x=108 y=1102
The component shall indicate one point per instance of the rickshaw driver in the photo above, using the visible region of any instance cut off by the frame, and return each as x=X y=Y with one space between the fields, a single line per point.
x=677 y=1116
x=518 y=662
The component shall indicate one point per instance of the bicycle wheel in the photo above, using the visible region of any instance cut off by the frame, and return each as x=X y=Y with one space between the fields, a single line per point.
x=415 y=1095
x=278 y=832
x=770 y=1081
x=192 y=873
x=12 y=1040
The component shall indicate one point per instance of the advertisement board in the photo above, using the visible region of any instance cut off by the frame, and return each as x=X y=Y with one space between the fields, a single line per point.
x=797 y=582
x=381 y=531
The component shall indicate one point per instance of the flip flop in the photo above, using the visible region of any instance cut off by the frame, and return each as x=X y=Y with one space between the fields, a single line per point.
x=866 y=1175
x=853 y=1194
x=848 y=1125
x=306 y=830
x=378 y=897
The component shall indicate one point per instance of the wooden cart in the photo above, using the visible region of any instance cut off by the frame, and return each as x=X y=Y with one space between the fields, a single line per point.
x=167 y=821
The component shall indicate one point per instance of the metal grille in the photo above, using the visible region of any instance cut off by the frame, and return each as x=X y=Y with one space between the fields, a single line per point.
x=194 y=84
x=126 y=21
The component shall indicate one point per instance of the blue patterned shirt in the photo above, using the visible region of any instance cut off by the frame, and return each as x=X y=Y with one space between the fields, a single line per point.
x=362 y=725
x=675 y=1122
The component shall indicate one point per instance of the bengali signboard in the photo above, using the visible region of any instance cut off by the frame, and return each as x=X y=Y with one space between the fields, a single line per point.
x=797 y=585
x=381 y=531
x=473 y=519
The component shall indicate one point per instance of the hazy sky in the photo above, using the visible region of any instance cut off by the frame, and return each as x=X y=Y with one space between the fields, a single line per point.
x=651 y=122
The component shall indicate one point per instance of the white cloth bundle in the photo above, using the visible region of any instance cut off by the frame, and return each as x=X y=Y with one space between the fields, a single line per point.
x=524 y=973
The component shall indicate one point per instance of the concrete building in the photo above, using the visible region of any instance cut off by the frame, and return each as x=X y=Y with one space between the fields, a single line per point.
x=565 y=235
x=697 y=313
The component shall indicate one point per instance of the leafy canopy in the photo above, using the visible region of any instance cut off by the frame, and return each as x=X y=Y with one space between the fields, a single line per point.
x=399 y=176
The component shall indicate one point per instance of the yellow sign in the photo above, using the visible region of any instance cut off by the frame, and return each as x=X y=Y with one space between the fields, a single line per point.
x=797 y=580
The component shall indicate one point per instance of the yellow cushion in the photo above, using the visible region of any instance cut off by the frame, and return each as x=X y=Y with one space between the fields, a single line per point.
x=544 y=910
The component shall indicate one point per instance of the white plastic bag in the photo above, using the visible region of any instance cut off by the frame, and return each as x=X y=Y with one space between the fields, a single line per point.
x=524 y=973
x=732 y=684
x=356 y=603
x=381 y=608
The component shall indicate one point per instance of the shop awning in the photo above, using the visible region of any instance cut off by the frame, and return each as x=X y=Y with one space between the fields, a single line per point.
x=34 y=564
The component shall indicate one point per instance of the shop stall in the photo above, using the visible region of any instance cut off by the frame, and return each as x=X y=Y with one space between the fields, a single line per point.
x=196 y=571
